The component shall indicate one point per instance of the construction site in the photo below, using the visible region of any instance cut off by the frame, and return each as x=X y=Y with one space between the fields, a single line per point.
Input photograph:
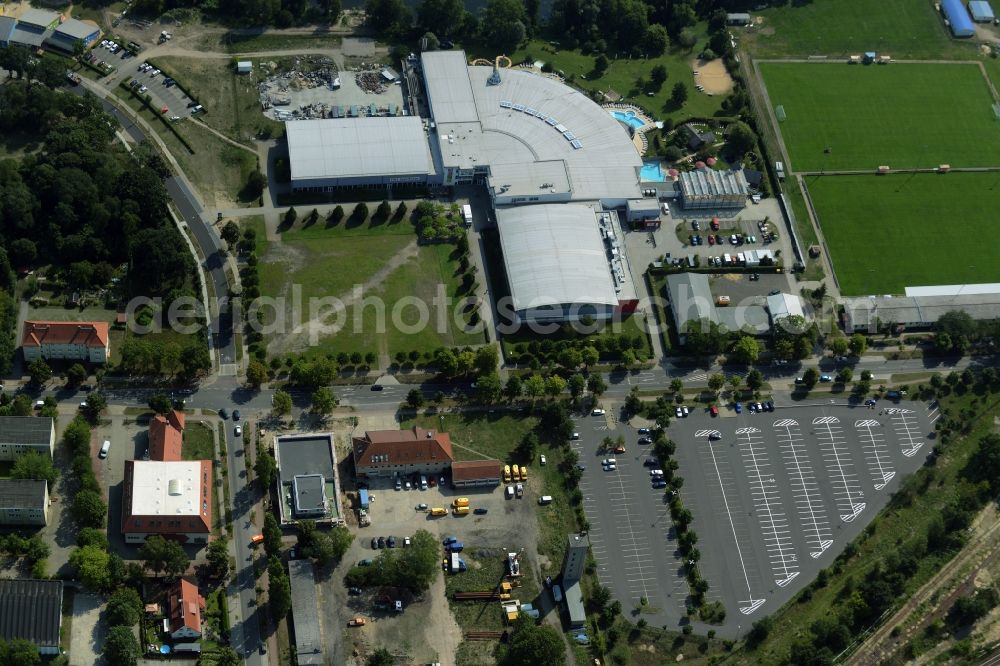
x=312 y=87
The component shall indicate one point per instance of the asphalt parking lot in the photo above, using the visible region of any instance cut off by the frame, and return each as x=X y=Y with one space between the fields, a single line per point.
x=173 y=98
x=631 y=532
x=779 y=494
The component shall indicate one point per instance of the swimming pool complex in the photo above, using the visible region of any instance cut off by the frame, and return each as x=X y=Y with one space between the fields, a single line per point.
x=652 y=172
x=629 y=118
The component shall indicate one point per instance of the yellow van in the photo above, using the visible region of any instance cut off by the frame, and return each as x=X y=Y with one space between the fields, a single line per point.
x=439 y=511
x=461 y=510
x=524 y=473
x=462 y=501
x=516 y=474
x=722 y=300
x=506 y=473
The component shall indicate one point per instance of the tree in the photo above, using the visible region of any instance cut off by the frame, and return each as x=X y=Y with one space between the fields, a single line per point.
x=601 y=64
x=227 y=656
x=76 y=374
x=91 y=564
x=217 y=556
x=679 y=94
x=676 y=385
x=160 y=403
x=124 y=608
x=845 y=375
x=20 y=652
x=384 y=210
x=440 y=16
x=838 y=346
x=323 y=401
x=858 y=344
x=281 y=403
x=256 y=373
x=360 y=212
x=735 y=381
x=89 y=509
x=716 y=381
x=279 y=593
x=415 y=398
x=755 y=379
x=120 y=647
x=159 y=554
x=290 y=216
x=747 y=349
x=534 y=644
x=487 y=359
x=810 y=377
x=528 y=445
x=35 y=466
x=380 y=657
x=265 y=467
x=512 y=390
x=504 y=24
x=230 y=233
x=740 y=139
x=589 y=356
x=489 y=389
x=387 y=15
x=534 y=386
x=256 y=182
x=658 y=75
x=554 y=385
x=596 y=385
x=96 y=404
x=272 y=535
x=656 y=41
x=576 y=384
x=39 y=371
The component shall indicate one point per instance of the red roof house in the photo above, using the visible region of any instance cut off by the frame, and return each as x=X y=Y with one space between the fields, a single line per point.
x=186 y=606
x=166 y=434
x=72 y=340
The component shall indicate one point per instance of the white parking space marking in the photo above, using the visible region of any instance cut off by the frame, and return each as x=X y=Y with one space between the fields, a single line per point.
x=870 y=432
x=748 y=605
x=846 y=487
x=767 y=502
x=904 y=422
x=805 y=490
x=632 y=548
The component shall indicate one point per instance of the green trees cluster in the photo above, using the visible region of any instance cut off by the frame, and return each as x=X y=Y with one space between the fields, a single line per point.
x=569 y=351
x=88 y=507
x=532 y=643
x=322 y=547
x=413 y=568
x=145 y=356
x=435 y=222
x=19 y=652
x=166 y=556
x=279 y=588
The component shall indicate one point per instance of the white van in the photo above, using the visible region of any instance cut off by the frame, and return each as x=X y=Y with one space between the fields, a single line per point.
x=509 y=492
x=104 y=449
x=423 y=482
x=545 y=499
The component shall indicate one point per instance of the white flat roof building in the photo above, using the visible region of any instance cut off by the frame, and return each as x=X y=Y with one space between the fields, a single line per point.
x=166 y=488
x=339 y=152
x=558 y=265
x=524 y=120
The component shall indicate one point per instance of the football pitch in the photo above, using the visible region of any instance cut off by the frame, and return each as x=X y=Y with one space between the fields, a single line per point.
x=886 y=233
x=847 y=117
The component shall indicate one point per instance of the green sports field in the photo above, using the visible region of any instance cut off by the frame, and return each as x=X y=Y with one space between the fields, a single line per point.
x=889 y=232
x=843 y=117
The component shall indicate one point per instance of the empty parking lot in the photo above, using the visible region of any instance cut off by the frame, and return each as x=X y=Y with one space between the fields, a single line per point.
x=779 y=494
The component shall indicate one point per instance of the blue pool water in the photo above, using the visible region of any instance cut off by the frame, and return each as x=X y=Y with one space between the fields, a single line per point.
x=651 y=172
x=629 y=118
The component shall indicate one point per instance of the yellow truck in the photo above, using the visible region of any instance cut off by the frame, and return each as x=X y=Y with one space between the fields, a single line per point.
x=506 y=473
x=439 y=511
x=461 y=510
x=524 y=473
x=516 y=474
x=462 y=501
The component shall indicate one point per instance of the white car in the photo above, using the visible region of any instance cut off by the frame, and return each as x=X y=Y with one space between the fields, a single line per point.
x=143 y=89
x=238 y=431
x=610 y=468
x=541 y=459
x=678 y=412
x=656 y=472
x=154 y=73
x=597 y=412
x=609 y=461
x=575 y=436
x=685 y=410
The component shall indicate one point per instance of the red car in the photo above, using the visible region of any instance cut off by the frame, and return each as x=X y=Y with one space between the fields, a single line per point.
x=619 y=449
x=711 y=239
x=714 y=410
x=715 y=223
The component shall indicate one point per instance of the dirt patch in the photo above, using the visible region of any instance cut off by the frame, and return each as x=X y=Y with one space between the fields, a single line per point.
x=712 y=76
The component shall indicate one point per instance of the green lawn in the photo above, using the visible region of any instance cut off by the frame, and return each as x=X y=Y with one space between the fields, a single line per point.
x=901 y=28
x=198 y=443
x=889 y=232
x=330 y=261
x=900 y=115
x=622 y=75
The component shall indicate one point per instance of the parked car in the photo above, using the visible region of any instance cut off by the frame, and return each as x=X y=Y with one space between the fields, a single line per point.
x=354 y=591
x=374 y=543
x=421 y=507
x=684 y=410
x=377 y=387
x=391 y=542
x=659 y=483
x=381 y=542
x=650 y=462
x=238 y=431
x=738 y=407
x=236 y=415
x=643 y=431
x=825 y=378
x=223 y=414
x=678 y=412
x=597 y=412
x=542 y=460
x=713 y=410
x=714 y=436
x=406 y=542
x=480 y=511
x=364 y=563
x=619 y=449
x=645 y=440
x=575 y=436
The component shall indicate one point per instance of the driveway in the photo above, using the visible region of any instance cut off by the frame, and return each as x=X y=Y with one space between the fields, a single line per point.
x=88 y=631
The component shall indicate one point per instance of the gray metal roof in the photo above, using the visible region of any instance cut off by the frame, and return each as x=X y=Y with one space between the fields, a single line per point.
x=784 y=305
x=305 y=612
x=574 y=604
x=309 y=493
x=526 y=179
x=42 y=18
x=356 y=147
x=917 y=310
x=302 y=455
x=28 y=36
x=7 y=25
x=553 y=254
x=32 y=610
x=527 y=118
x=33 y=430
x=22 y=494
x=708 y=182
x=76 y=29
x=691 y=300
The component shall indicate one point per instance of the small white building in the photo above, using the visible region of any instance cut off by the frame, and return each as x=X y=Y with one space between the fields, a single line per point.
x=244 y=67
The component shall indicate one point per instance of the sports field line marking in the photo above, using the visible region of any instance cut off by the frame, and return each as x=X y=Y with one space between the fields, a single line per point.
x=750 y=604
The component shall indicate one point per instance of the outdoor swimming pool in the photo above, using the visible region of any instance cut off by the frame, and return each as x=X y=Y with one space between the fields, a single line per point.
x=629 y=118
x=652 y=172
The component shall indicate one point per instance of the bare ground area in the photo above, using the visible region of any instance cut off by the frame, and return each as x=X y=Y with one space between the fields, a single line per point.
x=712 y=75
